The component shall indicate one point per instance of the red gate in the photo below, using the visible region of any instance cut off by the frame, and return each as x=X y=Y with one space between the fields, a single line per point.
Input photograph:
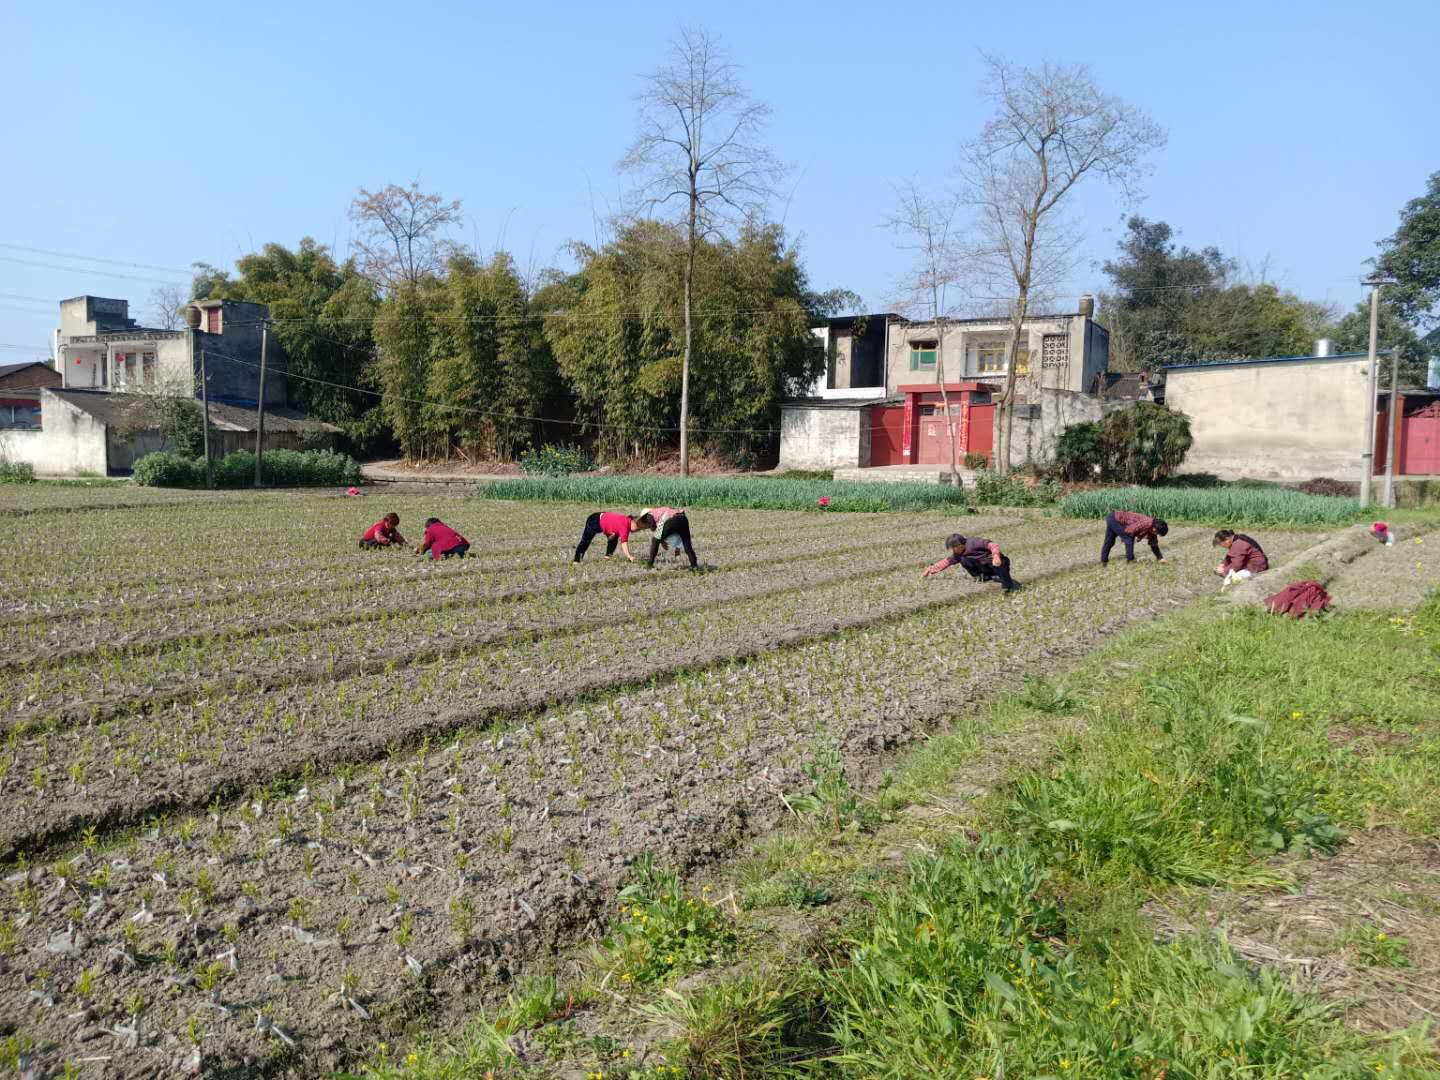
x=887 y=430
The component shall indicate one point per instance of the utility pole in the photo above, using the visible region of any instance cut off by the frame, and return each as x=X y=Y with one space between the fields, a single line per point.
x=1392 y=429
x=260 y=405
x=1367 y=455
x=205 y=422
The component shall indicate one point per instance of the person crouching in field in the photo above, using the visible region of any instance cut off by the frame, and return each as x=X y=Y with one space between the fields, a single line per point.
x=617 y=528
x=441 y=541
x=384 y=533
x=672 y=530
x=1127 y=527
x=1243 y=556
x=981 y=558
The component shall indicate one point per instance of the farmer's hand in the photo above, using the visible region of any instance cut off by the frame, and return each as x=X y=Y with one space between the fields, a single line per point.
x=995 y=561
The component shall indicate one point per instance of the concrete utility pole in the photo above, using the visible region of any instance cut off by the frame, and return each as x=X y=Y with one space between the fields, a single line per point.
x=1367 y=456
x=260 y=405
x=205 y=421
x=1392 y=428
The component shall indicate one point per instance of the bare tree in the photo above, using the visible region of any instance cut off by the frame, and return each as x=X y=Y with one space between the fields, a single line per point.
x=1052 y=128
x=401 y=236
x=924 y=226
x=165 y=304
x=698 y=150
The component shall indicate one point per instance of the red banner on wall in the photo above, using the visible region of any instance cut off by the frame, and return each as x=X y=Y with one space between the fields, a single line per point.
x=906 y=447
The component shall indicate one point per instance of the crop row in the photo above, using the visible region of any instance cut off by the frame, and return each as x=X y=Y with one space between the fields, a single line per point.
x=394 y=586
x=340 y=905
x=126 y=768
x=106 y=682
x=512 y=543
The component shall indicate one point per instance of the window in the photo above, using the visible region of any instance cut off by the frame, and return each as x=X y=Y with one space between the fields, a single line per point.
x=988 y=358
x=922 y=355
x=1055 y=350
x=147 y=369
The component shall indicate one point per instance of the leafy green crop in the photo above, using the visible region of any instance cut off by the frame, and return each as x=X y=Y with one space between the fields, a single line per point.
x=1219 y=506
x=751 y=493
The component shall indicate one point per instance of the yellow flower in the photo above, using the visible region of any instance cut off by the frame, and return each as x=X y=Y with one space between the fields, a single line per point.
x=1296 y=715
x=383 y=1048
x=670 y=959
x=1381 y=937
x=411 y=1058
x=1064 y=1063
x=625 y=1053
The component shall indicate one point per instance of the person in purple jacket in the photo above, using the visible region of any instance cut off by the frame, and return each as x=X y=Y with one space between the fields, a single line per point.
x=981 y=558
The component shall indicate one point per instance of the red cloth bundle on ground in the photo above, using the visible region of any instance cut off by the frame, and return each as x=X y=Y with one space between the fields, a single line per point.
x=1298 y=599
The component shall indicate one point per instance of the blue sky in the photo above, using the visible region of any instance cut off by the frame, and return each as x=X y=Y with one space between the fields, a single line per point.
x=166 y=134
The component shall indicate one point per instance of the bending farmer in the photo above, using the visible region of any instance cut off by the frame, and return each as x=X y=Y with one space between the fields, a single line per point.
x=981 y=558
x=1127 y=527
x=1243 y=556
x=442 y=541
x=617 y=528
x=672 y=530
x=384 y=533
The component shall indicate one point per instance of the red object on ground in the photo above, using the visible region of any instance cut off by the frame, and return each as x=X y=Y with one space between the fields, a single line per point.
x=824 y=501
x=1299 y=599
x=354 y=491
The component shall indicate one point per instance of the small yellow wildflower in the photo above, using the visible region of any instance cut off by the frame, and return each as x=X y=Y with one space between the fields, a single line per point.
x=1064 y=1063
x=1382 y=937
x=1297 y=716
x=412 y=1058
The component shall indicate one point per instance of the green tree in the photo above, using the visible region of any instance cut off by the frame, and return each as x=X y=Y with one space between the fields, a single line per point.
x=1411 y=256
x=1352 y=334
x=617 y=328
x=1244 y=321
x=404 y=333
x=1144 y=442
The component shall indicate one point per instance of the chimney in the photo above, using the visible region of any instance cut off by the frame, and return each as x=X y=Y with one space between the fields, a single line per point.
x=1323 y=347
x=1087 y=306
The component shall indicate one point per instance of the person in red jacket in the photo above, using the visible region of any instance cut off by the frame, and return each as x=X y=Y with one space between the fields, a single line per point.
x=1243 y=556
x=617 y=528
x=441 y=541
x=384 y=533
x=1127 y=527
x=981 y=558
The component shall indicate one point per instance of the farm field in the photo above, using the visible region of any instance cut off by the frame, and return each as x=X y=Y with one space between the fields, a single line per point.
x=276 y=799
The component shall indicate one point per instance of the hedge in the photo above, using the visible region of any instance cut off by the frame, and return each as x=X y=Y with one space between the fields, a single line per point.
x=748 y=493
x=1217 y=506
x=281 y=468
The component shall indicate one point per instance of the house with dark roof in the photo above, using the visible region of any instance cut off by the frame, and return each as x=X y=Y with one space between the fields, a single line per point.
x=104 y=432
x=20 y=386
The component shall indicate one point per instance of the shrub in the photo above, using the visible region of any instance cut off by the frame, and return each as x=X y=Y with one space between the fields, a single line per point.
x=166 y=468
x=737 y=493
x=992 y=489
x=281 y=468
x=977 y=461
x=16 y=472
x=1323 y=485
x=1216 y=506
x=553 y=460
x=1080 y=451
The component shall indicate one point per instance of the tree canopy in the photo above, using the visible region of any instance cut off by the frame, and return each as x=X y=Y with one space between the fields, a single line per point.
x=1411 y=256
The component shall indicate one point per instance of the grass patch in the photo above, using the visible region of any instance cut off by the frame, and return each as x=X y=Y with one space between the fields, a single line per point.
x=1217 y=506
x=739 y=493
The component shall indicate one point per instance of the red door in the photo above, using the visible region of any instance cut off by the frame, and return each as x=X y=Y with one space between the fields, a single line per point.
x=887 y=430
x=1420 y=449
x=982 y=430
x=935 y=434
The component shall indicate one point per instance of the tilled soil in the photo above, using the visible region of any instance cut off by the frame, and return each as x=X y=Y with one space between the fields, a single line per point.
x=1390 y=577
x=375 y=886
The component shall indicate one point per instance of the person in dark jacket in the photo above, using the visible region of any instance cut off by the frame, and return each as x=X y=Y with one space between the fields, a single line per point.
x=1127 y=527
x=981 y=558
x=1243 y=556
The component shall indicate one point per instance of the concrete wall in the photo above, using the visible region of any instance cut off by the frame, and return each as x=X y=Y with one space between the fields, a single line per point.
x=1036 y=427
x=824 y=437
x=239 y=337
x=1288 y=420
x=70 y=442
x=124 y=451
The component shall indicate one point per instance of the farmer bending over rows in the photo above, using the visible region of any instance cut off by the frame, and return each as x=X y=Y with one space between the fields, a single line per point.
x=982 y=558
x=617 y=528
x=384 y=533
x=1243 y=556
x=672 y=530
x=442 y=541
x=1127 y=527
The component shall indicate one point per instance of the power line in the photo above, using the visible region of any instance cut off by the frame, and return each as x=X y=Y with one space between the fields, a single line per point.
x=85 y=270
x=95 y=258
x=496 y=412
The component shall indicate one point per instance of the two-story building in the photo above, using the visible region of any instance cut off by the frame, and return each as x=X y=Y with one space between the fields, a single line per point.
x=881 y=402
